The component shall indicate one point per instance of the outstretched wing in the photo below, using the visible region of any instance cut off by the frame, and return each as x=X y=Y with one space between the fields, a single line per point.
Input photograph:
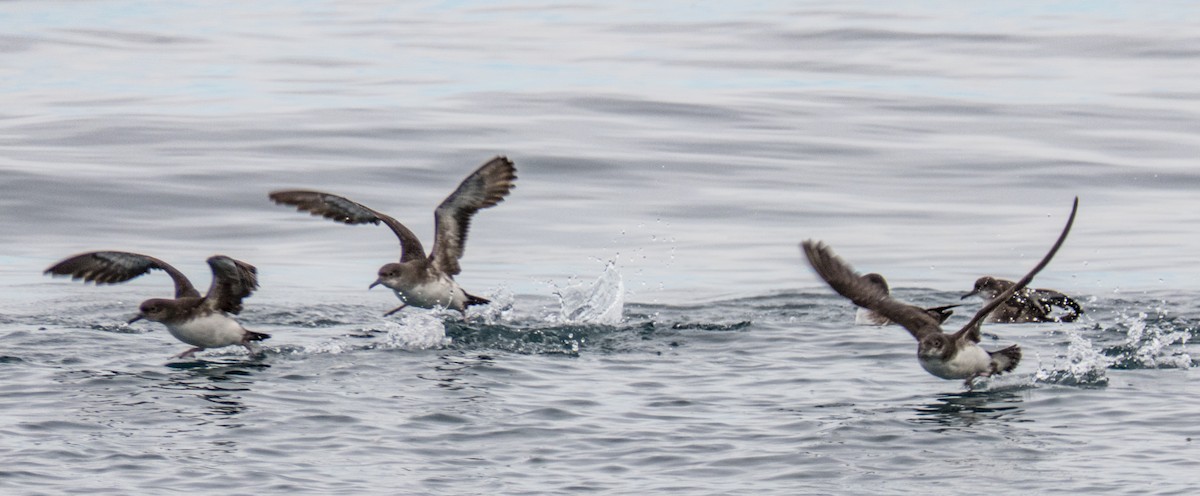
x=971 y=330
x=344 y=210
x=484 y=188
x=111 y=267
x=865 y=293
x=233 y=280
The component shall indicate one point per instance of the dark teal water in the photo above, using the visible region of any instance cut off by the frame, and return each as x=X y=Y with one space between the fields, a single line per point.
x=655 y=329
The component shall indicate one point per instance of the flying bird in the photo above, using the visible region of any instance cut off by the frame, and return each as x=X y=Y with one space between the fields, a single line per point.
x=948 y=356
x=420 y=280
x=201 y=321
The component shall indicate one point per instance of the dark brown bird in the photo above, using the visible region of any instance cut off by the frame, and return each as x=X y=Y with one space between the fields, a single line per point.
x=419 y=280
x=949 y=356
x=201 y=321
x=1026 y=305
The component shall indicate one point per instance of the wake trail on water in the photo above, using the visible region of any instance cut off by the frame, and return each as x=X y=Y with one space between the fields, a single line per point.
x=584 y=312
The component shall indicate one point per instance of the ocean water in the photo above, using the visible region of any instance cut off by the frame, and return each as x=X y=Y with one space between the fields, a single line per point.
x=654 y=328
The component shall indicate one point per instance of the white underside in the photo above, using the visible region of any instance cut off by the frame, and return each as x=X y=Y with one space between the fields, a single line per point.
x=968 y=362
x=210 y=331
x=443 y=292
x=867 y=317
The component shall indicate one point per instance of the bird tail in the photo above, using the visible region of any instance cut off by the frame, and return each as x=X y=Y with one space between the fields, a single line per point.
x=941 y=313
x=254 y=336
x=475 y=300
x=1005 y=360
x=1066 y=303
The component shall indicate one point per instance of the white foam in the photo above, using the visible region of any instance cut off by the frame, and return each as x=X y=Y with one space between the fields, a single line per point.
x=417 y=331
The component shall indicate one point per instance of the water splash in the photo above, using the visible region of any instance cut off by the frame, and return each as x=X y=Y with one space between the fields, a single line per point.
x=601 y=303
x=1151 y=342
x=416 y=331
x=499 y=310
x=1083 y=366
x=413 y=331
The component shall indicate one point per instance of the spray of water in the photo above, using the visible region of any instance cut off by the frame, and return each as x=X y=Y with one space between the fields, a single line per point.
x=603 y=302
x=1082 y=365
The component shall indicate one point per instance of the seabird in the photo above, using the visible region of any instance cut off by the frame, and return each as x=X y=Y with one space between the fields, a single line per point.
x=201 y=321
x=948 y=356
x=1026 y=305
x=870 y=317
x=419 y=280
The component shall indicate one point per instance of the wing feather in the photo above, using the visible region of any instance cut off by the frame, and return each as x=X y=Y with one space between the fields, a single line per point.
x=842 y=278
x=112 y=267
x=233 y=280
x=346 y=211
x=484 y=188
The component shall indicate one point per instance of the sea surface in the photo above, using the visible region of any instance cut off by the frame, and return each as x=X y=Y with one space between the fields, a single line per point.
x=654 y=328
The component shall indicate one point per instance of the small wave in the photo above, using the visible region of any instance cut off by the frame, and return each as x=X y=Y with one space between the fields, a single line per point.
x=554 y=339
x=119 y=328
x=704 y=326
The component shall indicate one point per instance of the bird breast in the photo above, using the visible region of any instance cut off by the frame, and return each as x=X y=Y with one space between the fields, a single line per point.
x=967 y=362
x=441 y=292
x=211 y=330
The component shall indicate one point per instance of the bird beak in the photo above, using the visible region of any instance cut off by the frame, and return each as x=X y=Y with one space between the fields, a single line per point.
x=968 y=295
x=135 y=319
x=376 y=283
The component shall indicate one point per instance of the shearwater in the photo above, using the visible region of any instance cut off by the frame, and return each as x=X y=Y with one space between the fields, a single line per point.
x=948 y=356
x=201 y=321
x=419 y=280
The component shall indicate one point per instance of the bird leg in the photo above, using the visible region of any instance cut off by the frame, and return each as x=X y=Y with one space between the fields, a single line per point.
x=189 y=353
x=394 y=310
x=969 y=383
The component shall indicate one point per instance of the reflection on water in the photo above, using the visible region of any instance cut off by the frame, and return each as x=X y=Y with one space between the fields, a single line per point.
x=126 y=403
x=972 y=407
x=453 y=372
x=218 y=383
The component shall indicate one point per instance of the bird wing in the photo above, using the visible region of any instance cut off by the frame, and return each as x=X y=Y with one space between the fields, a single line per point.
x=346 y=211
x=843 y=279
x=484 y=188
x=111 y=267
x=971 y=330
x=233 y=280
